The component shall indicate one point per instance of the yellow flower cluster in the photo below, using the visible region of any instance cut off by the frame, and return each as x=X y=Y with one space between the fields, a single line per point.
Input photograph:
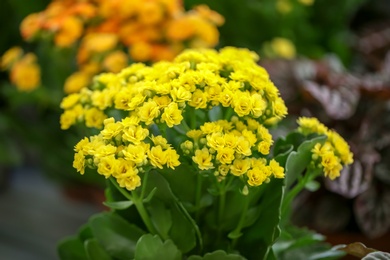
x=198 y=79
x=109 y=33
x=177 y=95
x=25 y=72
x=237 y=147
x=333 y=154
x=124 y=149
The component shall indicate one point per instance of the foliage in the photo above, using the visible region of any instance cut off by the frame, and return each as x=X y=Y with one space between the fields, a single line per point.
x=185 y=147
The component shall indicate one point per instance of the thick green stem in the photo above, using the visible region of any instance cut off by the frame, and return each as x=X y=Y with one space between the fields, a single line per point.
x=309 y=176
x=143 y=213
x=138 y=204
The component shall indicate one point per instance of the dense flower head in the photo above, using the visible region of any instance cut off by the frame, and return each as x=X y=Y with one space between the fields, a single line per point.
x=221 y=102
x=108 y=34
x=333 y=154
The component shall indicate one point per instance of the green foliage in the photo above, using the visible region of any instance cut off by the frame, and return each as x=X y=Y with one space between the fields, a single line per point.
x=165 y=217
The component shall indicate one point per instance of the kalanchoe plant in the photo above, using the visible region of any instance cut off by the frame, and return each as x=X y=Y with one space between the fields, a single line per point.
x=187 y=152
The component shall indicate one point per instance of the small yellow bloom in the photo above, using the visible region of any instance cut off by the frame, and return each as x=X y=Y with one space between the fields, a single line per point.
x=148 y=112
x=157 y=156
x=26 y=73
x=135 y=134
x=172 y=115
x=135 y=153
x=225 y=155
x=283 y=47
x=70 y=30
x=242 y=103
x=75 y=82
x=94 y=117
x=240 y=167
x=70 y=100
x=256 y=176
x=111 y=128
x=106 y=166
x=203 y=159
x=172 y=158
x=276 y=169
x=79 y=162
x=115 y=61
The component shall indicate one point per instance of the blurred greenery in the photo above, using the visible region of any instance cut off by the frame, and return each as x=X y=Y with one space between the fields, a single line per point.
x=315 y=29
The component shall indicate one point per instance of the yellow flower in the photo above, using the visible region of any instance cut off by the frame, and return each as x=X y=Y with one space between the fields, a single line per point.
x=69 y=117
x=276 y=169
x=225 y=155
x=111 y=128
x=306 y=2
x=203 y=159
x=94 y=117
x=264 y=147
x=194 y=134
x=172 y=158
x=172 y=115
x=135 y=153
x=215 y=140
x=100 y=42
x=198 y=99
x=106 y=166
x=258 y=105
x=10 y=57
x=26 y=73
x=70 y=30
x=141 y=51
x=129 y=182
x=75 y=82
x=160 y=140
x=157 y=156
x=115 y=61
x=256 y=176
x=240 y=167
x=79 y=162
x=135 y=134
x=283 y=47
x=148 y=112
x=243 y=146
x=70 y=100
x=242 y=103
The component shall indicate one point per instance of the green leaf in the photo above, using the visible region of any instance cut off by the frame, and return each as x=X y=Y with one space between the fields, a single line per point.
x=95 y=251
x=118 y=204
x=217 y=255
x=150 y=196
x=117 y=236
x=215 y=113
x=298 y=160
x=151 y=247
x=257 y=239
x=85 y=232
x=71 y=248
x=162 y=218
x=183 y=232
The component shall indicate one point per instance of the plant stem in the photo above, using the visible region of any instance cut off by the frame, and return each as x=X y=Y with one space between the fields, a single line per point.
x=143 y=213
x=138 y=204
x=309 y=176
x=221 y=207
x=242 y=219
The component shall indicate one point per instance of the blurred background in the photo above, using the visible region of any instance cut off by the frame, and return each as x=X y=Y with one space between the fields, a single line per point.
x=329 y=58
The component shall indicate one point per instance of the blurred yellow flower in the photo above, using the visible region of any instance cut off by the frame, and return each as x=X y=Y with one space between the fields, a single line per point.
x=75 y=82
x=283 y=48
x=25 y=73
x=10 y=57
